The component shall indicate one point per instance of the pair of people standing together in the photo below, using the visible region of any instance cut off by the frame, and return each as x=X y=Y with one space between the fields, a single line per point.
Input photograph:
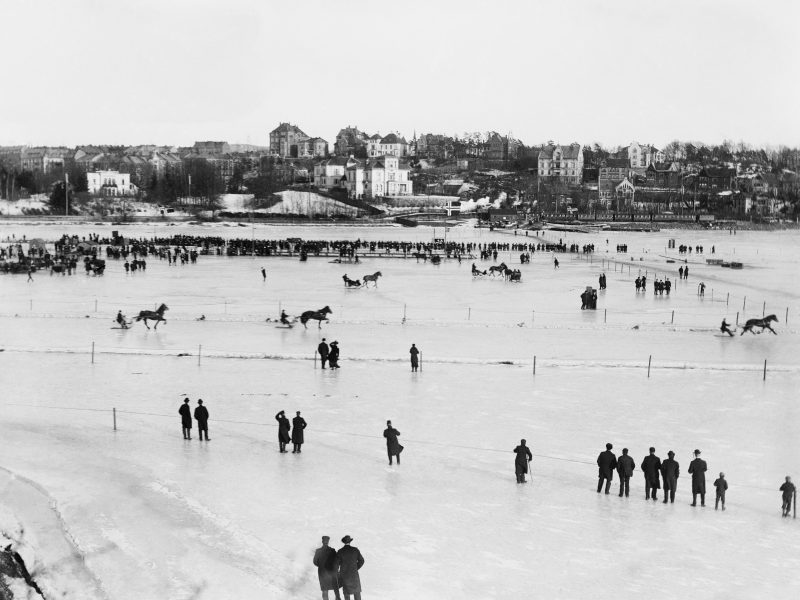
x=200 y=415
x=297 y=437
x=329 y=354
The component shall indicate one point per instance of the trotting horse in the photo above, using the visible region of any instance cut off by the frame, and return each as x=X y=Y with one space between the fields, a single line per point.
x=498 y=270
x=373 y=278
x=153 y=315
x=319 y=315
x=763 y=323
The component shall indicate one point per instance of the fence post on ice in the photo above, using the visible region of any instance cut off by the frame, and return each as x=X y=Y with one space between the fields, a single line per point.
x=114 y=413
x=420 y=361
x=534 y=364
x=672 y=321
x=469 y=313
x=199 y=352
x=737 y=319
x=744 y=305
x=765 y=370
x=649 y=359
x=764 y=308
x=315 y=359
x=92 y=352
x=404 y=313
x=727 y=299
x=95 y=305
x=786 y=319
x=605 y=315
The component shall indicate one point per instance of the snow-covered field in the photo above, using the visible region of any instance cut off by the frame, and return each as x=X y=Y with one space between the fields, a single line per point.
x=141 y=513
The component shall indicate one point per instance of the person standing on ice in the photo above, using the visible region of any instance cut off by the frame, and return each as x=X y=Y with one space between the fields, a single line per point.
x=555 y=262
x=323 y=351
x=606 y=462
x=524 y=457
x=264 y=273
x=722 y=487
x=348 y=562
x=186 y=419
x=283 y=430
x=333 y=356
x=651 y=467
x=698 y=468
x=201 y=415
x=393 y=447
x=788 y=490
x=298 y=425
x=625 y=468
x=325 y=561
x=414 y=352
x=670 y=471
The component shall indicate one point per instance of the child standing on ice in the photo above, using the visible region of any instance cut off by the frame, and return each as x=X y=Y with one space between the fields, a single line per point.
x=721 y=486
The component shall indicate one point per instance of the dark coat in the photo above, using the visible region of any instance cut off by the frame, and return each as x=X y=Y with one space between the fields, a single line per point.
x=651 y=467
x=414 y=356
x=670 y=471
x=349 y=561
x=325 y=561
x=186 y=415
x=283 y=428
x=392 y=445
x=698 y=468
x=625 y=466
x=523 y=456
x=201 y=414
x=607 y=462
x=721 y=486
x=788 y=490
x=323 y=350
x=298 y=424
x=333 y=355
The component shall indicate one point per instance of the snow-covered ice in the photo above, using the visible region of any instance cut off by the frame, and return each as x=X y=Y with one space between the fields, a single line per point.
x=149 y=515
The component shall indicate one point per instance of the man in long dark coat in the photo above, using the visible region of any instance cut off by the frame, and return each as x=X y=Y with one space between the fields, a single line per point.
x=201 y=415
x=298 y=425
x=283 y=430
x=698 y=469
x=323 y=352
x=606 y=463
x=625 y=468
x=788 y=491
x=670 y=471
x=393 y=447
x=651 y=467
x=414 y=352
x=521 y=461
x=348 y=562
x=325 y=561
x=185 y=412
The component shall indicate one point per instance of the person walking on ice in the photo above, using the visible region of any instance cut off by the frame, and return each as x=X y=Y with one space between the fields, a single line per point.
x=201 y=415
x=606 y=463
x=725 y=328
x=789 y=491
x=393 y=447
x=698 y=468
x=722 y=487
x=325 y=561
x=185 y=412
x=414 y=352
x=523 y=459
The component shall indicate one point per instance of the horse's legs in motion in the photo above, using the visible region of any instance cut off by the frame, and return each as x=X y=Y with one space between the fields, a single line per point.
x=145 y=324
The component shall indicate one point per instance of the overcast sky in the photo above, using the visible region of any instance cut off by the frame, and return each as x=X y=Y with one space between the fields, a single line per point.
x=175 y=71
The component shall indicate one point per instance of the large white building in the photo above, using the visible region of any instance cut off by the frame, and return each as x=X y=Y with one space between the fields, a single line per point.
x=381 y=176
x=562 y=162
x=330 y=174
x=390 y=145
x=110 y=183
x=642 y=156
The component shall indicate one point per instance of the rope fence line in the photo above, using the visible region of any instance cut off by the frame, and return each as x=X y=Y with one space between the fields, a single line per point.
x=339 y=433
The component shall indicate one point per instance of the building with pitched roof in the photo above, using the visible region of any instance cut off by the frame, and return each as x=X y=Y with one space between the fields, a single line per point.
x=110 y=183
x=561 y=162
x=312 y=148
x=611 y=172
x=283 y=140
x=350 y=141
x=389 y=145
x=642 y=156
x=377 y=177
x=330 y=174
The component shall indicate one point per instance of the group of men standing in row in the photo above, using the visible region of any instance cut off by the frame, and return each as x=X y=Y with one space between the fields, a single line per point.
x=655 y=470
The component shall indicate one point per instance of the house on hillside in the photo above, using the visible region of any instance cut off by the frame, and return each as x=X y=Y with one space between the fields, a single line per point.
x=389 y=145
x=610 y=174
x=312 y=148
x=110 y=183
x=350 y=141
x=642 y=156
x=284 y=139
x=376 y=177
x=561 y=162
x=663 y=175
x=211 y=148
x=330 y=174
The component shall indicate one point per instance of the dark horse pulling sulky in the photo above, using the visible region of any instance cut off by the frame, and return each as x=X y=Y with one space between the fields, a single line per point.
x=153 y=315
x=319 y=315
x=763 y=323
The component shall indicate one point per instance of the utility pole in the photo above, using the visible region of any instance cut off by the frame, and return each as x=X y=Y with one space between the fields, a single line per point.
x=66 y=194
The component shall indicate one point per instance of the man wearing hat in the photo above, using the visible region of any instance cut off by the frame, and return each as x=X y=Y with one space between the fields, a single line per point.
x=670 y=471
x=283 y=431
x=698 y=468
x=606 y=463
x=186 y=419
x=348 y=562
x=323 y=352
x=625 y=468
x=651 y=467
x=298 y=425
x=201 y=415
x=789 y=490
x=522 y=460
x=333 y=357
x=393 y=447
x=325 y=561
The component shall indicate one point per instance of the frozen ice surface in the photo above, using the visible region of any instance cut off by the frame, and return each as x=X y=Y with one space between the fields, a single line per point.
x=153 y=515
